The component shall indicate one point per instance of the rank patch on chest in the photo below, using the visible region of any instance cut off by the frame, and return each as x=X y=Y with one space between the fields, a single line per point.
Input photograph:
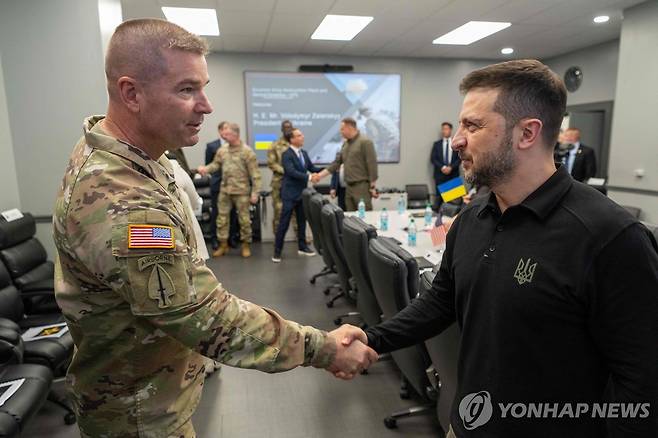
x=150 y=236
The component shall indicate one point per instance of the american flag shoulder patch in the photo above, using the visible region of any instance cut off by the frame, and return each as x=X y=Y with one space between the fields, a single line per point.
x=150 y=236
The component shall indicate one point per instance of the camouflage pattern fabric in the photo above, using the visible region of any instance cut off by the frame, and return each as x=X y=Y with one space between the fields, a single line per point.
x=239 y=166
x=141 y=316
x=240 y=178
x=224 y=205
x=274 y=162
x=274 y=159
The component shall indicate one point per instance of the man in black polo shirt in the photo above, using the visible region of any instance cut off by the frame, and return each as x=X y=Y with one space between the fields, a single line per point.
x=553 y=285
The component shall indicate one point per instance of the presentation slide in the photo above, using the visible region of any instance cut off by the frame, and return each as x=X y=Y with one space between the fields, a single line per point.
x=316 y=103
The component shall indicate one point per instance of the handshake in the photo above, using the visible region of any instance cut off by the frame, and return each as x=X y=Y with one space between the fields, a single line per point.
x=315 y=178
x=352 y=352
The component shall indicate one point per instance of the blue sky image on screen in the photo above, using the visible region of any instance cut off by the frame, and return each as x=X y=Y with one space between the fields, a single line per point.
x=316 y=102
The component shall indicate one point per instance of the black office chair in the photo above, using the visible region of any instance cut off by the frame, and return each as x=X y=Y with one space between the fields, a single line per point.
x=53 y=353
x=317 y=201
x=307 y=194
x=391 y=281
x=306 y=203
x=26 y=260
x=25 y=386
x=332 y=231
x=653 y=228
x=417 y=195
x=636 y=212
x=444 y=353
x=356 y=236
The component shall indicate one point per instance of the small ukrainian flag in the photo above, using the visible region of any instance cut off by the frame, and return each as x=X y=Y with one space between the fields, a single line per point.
x=452 y=189
x=264 y=141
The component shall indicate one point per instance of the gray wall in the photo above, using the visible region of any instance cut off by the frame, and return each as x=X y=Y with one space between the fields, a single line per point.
x=8 y=181
x=429 y=96
x=599 y=66
x=634 y=143
x=53 y=75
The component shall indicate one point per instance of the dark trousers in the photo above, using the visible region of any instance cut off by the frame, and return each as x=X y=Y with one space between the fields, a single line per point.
x=340 y=192
x=213 y=216
x=438 y=200
x=290 y=206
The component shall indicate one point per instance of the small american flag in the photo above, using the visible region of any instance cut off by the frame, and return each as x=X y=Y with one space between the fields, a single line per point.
x=150 y=236
x=438 y=235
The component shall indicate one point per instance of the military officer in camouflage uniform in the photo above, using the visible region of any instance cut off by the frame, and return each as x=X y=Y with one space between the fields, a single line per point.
x=240 y=186
x=141 y=305
x=274 y=162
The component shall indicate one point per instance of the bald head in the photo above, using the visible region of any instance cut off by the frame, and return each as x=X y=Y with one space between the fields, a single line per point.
x=137 y=49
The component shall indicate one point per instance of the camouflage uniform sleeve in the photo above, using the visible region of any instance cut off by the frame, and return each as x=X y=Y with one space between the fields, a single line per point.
x=171 y=289
x=272 y=159
x=178 y=294
x=254 y=172
x=216 y=164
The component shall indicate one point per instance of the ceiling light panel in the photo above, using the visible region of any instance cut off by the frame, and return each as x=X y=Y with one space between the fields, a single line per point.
x=196 y=20
x=471 y=32
x=340 y=27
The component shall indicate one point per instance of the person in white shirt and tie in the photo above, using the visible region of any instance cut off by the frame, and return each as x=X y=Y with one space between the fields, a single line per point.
x=444 y=159
x=580 y=160
x=298 y=171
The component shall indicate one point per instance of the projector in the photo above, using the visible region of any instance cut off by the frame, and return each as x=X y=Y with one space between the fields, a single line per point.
x=325 y=68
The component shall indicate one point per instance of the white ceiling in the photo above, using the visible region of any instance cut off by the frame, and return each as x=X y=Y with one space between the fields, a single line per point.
x=403 y=28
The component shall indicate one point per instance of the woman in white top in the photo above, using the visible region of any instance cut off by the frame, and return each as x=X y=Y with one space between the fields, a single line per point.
x=193 y=202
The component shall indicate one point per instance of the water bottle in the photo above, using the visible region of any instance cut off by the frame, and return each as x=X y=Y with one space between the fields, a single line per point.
x=383 y=220
x=401 y=206
x=362 y=209
x=412 y=232
x=428 y=215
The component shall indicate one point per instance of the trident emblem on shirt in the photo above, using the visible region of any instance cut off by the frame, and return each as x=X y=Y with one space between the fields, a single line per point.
x=525 y=271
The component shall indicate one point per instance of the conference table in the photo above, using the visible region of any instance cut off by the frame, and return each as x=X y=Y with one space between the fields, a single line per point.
x=397 y=224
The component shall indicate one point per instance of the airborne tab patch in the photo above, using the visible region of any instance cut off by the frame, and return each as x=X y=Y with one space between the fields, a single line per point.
x=150 y=236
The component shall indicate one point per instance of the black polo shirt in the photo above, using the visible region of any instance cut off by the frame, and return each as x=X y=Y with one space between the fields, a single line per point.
x=553 y=297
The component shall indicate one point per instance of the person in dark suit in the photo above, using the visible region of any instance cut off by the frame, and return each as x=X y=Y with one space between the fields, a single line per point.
x=337 y=187
x=297 y=172
x=580 y=160
x=444 y=159
x=215 y=180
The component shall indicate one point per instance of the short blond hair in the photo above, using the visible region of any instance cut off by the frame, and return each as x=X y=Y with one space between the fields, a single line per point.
x=234 y=127
x=137 y=47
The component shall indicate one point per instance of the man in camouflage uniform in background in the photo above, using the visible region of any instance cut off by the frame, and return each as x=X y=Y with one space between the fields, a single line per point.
x=274 y=162
x=141 y=305
x=240 y=186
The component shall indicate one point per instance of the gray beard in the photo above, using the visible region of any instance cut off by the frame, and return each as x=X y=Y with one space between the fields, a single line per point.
x=495 y=166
